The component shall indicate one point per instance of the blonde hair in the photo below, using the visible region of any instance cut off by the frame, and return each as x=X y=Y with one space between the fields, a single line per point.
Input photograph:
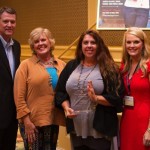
x=145 y=55
x=36 y=33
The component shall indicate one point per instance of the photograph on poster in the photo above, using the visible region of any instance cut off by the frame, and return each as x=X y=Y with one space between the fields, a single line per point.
x=121 y=14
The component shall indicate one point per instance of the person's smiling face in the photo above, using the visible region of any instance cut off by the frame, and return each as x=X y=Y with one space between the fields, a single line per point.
x=42 y=45
x=89 y=47
x=134 y=46
x=7 y=25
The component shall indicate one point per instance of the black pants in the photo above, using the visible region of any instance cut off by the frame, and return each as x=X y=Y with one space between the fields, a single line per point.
x=83 y=147
x=89 y=143
x=8 y=136
x=135 y=17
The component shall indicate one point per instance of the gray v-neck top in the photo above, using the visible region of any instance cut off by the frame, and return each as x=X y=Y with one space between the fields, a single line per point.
x=76 y=87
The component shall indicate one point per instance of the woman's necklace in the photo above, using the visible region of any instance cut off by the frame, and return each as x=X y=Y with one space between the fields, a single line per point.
x=49 y=63
x=81 y=88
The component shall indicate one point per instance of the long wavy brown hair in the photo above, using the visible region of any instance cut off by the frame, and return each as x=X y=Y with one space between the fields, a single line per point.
x=108 y=68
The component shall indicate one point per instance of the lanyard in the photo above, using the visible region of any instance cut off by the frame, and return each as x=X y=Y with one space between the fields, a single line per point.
x=129 y=80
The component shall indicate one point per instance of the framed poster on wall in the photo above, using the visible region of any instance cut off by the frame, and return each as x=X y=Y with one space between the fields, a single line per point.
x=121 y=14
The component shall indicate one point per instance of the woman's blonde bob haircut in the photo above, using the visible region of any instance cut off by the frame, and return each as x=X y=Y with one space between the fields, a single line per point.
x=35 y=35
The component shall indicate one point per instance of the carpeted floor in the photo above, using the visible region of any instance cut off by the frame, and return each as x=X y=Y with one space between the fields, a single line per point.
x=19 y=144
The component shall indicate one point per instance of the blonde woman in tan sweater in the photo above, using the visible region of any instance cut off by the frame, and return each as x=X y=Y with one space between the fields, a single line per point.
x=34 y=90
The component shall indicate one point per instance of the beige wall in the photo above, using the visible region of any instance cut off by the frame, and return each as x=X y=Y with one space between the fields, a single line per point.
x=92 y=12
x=115 y=51
x=65 y=18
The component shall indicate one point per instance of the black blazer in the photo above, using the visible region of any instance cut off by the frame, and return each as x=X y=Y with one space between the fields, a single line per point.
x=7 y=105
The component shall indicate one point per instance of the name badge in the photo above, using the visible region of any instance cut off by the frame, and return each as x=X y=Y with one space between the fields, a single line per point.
x=128 y=101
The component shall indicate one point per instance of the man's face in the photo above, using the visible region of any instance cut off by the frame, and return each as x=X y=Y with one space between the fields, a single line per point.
x=7 y=25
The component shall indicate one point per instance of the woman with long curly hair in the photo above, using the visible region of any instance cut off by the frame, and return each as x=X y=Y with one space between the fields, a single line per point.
x=89 y=90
